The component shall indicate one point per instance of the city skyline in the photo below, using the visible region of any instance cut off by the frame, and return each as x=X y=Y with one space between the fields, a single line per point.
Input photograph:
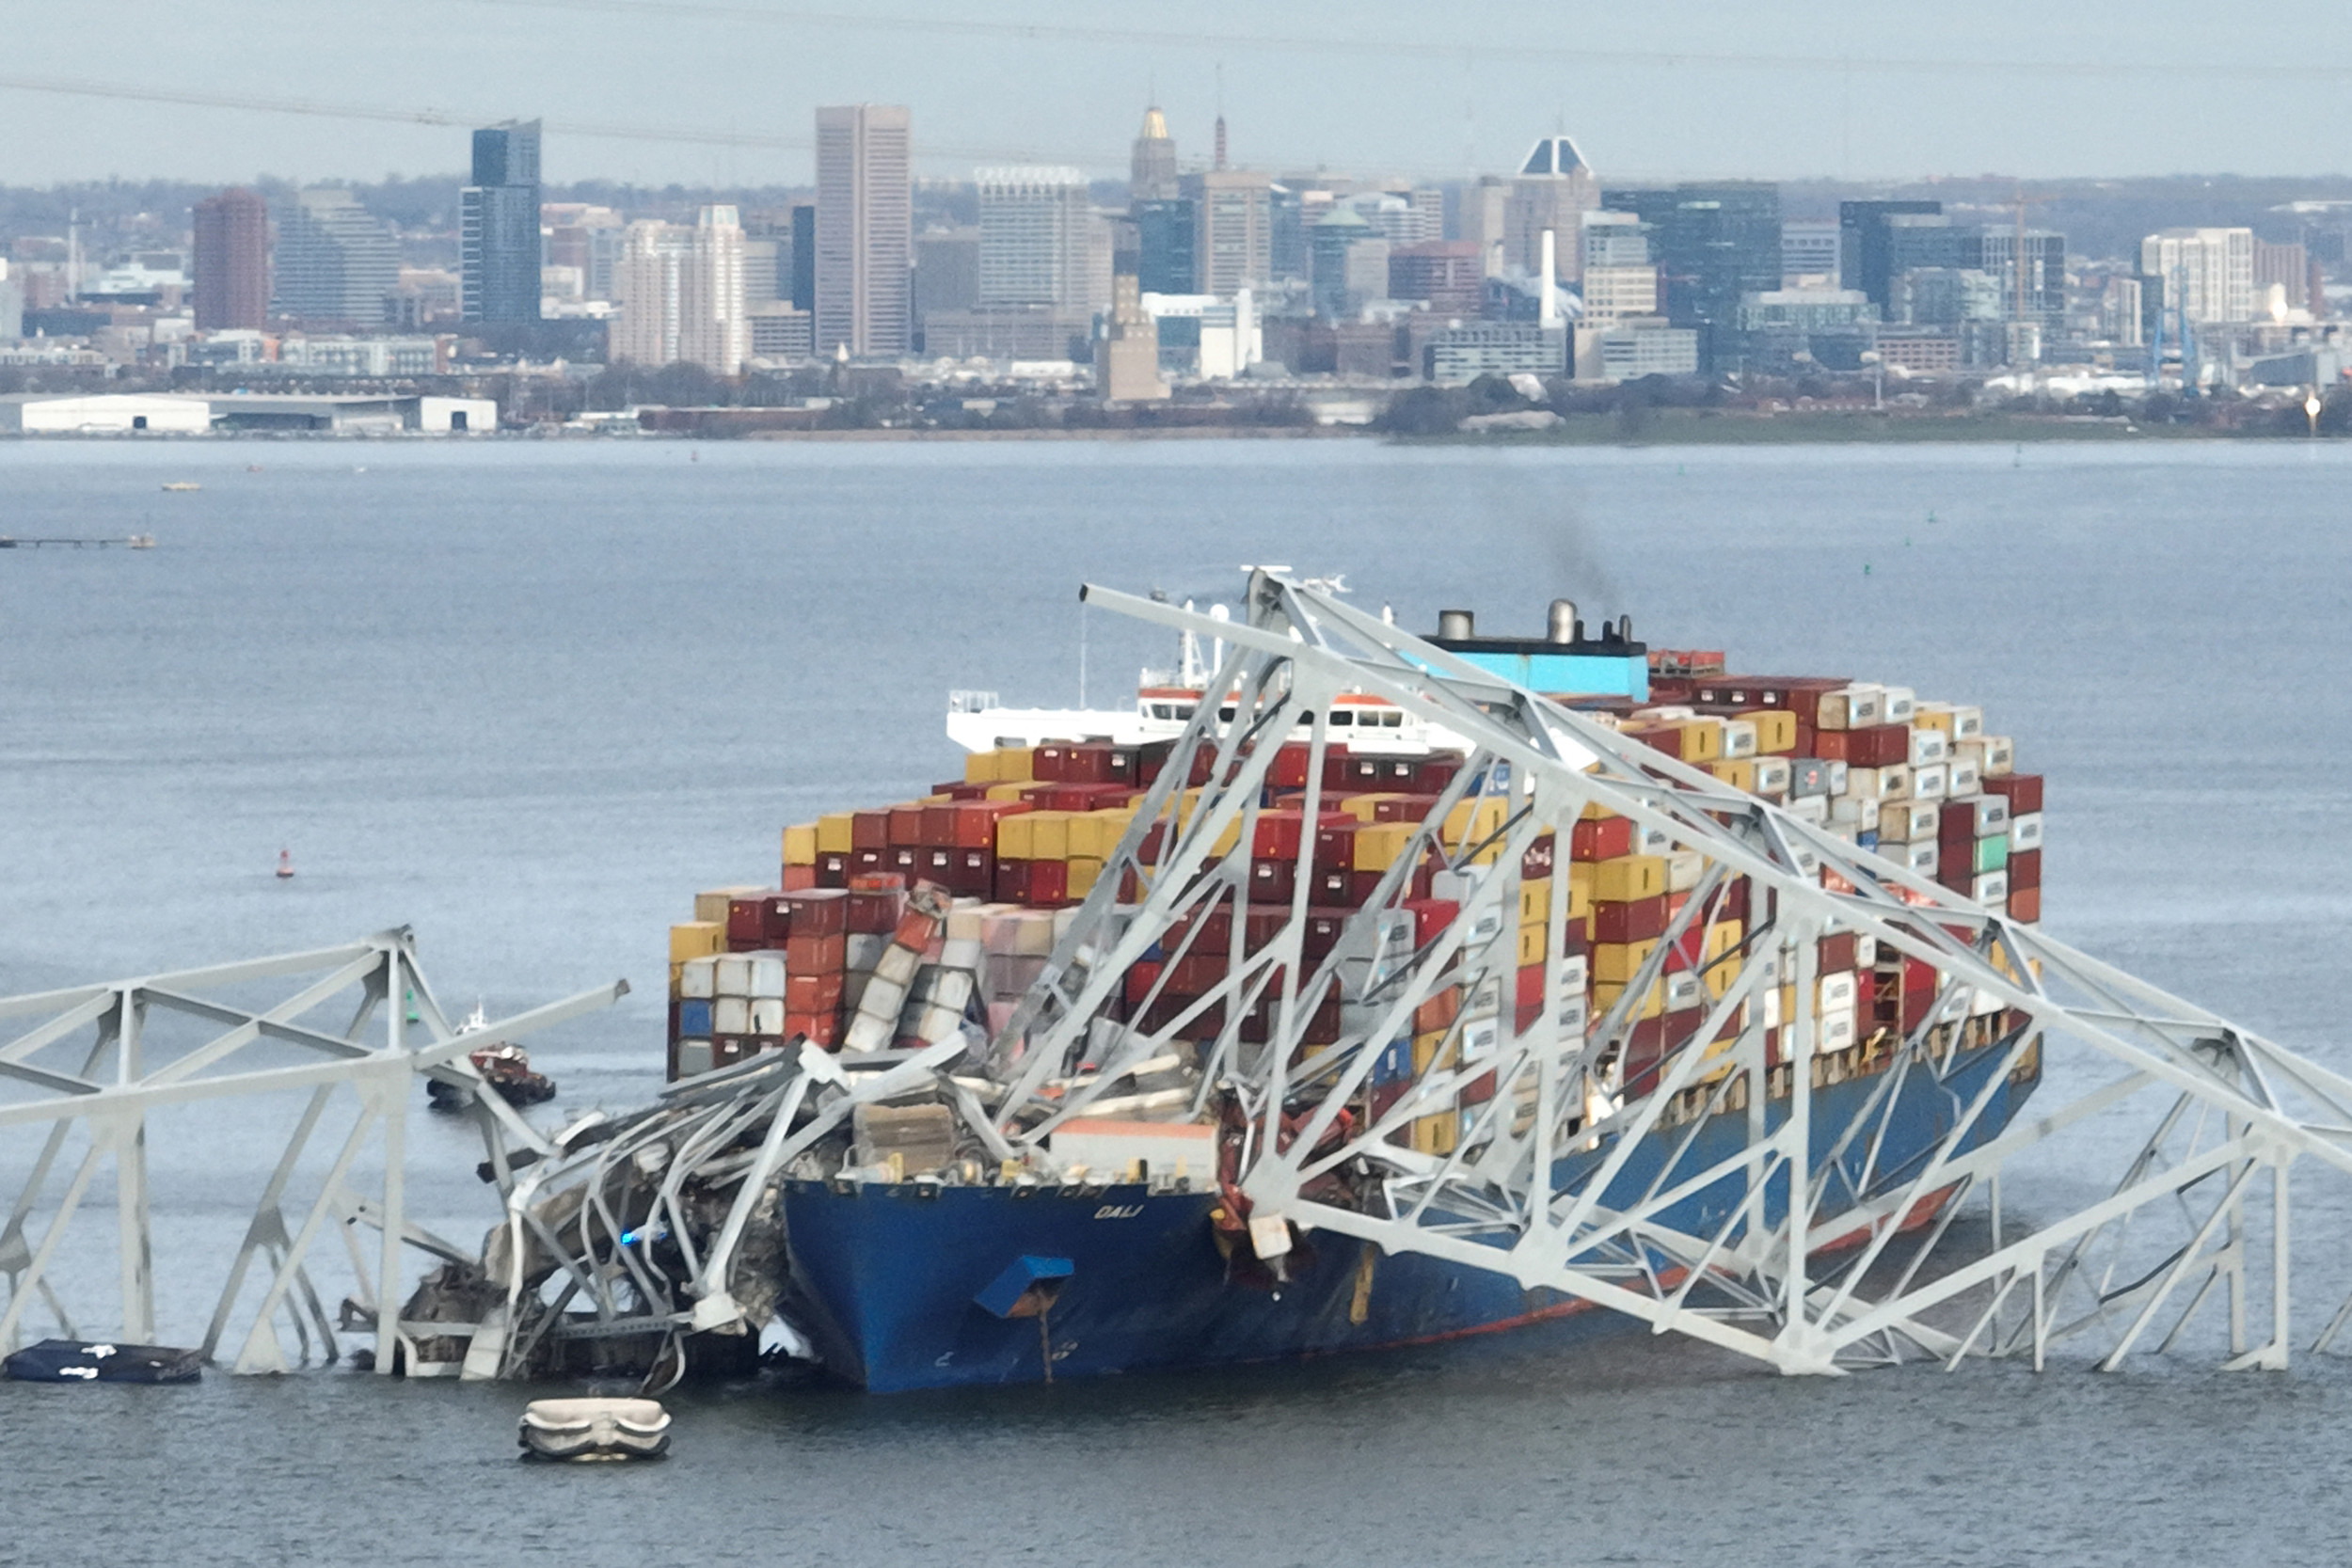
x=1773 y=91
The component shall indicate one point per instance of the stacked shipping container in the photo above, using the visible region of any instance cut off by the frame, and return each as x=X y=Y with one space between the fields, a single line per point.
x=904 y=922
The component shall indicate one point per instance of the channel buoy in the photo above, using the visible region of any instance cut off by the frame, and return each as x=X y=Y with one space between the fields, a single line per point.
x=285 y=865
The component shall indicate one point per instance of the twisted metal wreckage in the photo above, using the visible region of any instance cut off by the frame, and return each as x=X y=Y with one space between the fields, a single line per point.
x=648 y=1237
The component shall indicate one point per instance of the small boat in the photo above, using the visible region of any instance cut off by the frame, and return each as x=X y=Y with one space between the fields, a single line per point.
x=184 y=484
x=594 y=1428
x=101 y=1361
x=505 y=1066
x=285 y=865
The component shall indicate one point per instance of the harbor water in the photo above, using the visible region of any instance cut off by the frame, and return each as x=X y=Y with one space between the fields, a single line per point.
x=528 y=697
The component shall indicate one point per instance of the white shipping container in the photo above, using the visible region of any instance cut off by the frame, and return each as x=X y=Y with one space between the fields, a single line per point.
x=731 y=1015
x=1486 y=999
x=1808 y=808
x=1683 y=869
x=961 y=952
x=1772 y=775
x=1930 y=783
x=884 y=998
x=1481 y=1038
x=869 y=1033
x=1836 y=991
x=1836 y=771
x=1966 y=777
x=1574 y=973
x=1651 y=841
x=897 y=965
x=768 y=1016
x=1929 y=746
x=1992 y=814
x=2000 y=756
x=1899 y=705
x=1919 y=858
x=1907 y=821
x=1853 y=707
x=767 y=976
x=2025 y=832
x=1989 y=888
x=1739 y=738
x=862 y=950
x=1684 y=991
x=698 y=979
x=935 y=1023
x=1834 y=1032
x=733 y=978
x=694 y=1058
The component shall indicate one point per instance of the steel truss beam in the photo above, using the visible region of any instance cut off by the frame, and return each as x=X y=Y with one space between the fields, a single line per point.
x=93 y=1067
x=1575 y=1174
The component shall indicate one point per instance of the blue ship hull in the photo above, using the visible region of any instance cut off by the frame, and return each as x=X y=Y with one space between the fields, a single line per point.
x=885 y=1278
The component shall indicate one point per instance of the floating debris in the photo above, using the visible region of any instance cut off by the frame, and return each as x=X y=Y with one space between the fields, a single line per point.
x=594 y=1428
x=100 y=1361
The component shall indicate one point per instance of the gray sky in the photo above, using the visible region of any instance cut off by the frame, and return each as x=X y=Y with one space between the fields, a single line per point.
x=1784 y=89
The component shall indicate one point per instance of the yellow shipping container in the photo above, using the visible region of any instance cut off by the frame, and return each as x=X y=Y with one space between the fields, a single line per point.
x=1531 y=945
x=1363 y=808
x=1006 y=791
x=678 y=978
x=1579 y=897
x=1436 y=1135
x=1084 y=872
x=1605 y=995
x=1739 y=775
x=1775 y=730
x=979 y=767
x=800 y=843
x=1617 y=962
x=1426 y=1048
x=1049 y=834
x=1473 y=820
x=1016 y=764
x=1378 y=845
x=834 y=831
x=1717 y=978
x=711 y=903
x=697 y=939
x=1701 y=739
x=1594 y=812
x=1535 y=901
x=1628 y=878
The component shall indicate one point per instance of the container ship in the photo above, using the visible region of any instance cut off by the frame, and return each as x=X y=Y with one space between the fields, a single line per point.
x=1026 y=1219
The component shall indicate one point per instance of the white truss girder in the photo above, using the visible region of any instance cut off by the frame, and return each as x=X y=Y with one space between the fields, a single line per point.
x=92 y=1063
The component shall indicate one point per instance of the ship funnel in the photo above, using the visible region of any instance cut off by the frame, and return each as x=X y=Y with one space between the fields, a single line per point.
x=1561 y=622
x=1455 y=625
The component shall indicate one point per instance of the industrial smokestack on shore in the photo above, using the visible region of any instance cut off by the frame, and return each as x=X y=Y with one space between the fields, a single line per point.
x=1550 y=313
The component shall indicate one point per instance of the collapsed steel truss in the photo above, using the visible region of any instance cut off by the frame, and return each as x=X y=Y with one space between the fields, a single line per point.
x=1838 y=1233
x=97 y=1065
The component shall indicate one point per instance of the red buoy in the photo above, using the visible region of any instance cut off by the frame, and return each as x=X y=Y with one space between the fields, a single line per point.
x=285 y=864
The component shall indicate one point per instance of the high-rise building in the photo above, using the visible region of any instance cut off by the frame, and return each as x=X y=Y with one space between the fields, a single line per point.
x=499 y=226
x=1152 y=174
x=864 y=231
x=1809 y=250
x=2203 y=276
x=1553 y=190
x=1448 y=275
x=1481 y=217
x=586 y=237
x=232 y=262
x=1164 y=246
x=1712 y=245
x=1037 y=231
x=1127 y=358
x=1232 y=229
x=947 y=271
x=334 y=262
x=1867 y=242
x=682 y=294
x=804 y=256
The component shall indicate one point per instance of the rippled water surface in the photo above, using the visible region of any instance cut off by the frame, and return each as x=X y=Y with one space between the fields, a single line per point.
x=525 y=698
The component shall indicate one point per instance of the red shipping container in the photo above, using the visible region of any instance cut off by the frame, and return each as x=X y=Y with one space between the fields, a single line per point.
x=1049 y=884
x=1879 y=745
x=1438 y=1012
x=2025 y=869
x=1335 y=844
x=1431 y=916
x=1273 y=882
x=1433 y=773
x=1344 y=774
x=1337 y=888
x=874 y=911
x=1050 y=763
x=814 y=954
x=1732 y=902
x=1836 y=952
x=1604 y=839
x=865 y=860
x=1289 y=769
x=1196 y=973
x=1834 y=746
x=1538 y=862
x=2025 y=903
x=1278 y=834
x=1523 y=1016
x=1138 y=983
x=1323 y=929
x=1012 y=881
x=1530 y=990
x=798 y=877
x=904 y=860
x=936 y=825
x=1385 y=1096
x=747 y=917
x=819 y=912
x=833 y=870
x=775 y=917
x=1086 y=764
x=817 y=1028
x=1638 y=921
x=1479 y=1090
x=811 y=993
x=2023 y=791
x=870 y=829
x=957 y=790
x=906 y=825
x=1919 y=983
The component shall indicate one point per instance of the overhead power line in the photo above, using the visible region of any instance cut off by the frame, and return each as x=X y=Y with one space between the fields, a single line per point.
x=1516 y=48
